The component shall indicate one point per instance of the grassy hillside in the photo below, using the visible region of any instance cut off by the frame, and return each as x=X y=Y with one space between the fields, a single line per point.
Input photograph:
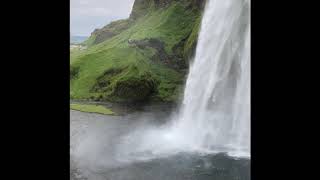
x=142 y=61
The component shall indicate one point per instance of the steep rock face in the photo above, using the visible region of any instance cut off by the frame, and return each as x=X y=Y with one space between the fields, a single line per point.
x=140 y=58
x=140 y=8
x=198 y=3
x=108 y=31
x=136 y=88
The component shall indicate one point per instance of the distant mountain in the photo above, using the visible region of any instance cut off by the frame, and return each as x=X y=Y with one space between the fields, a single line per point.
x=77 y=39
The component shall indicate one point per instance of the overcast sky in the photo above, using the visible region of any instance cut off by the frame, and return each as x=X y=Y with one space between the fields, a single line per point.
x=87 y=15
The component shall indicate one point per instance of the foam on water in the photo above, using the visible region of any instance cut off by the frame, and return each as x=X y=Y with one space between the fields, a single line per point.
x=216 y=106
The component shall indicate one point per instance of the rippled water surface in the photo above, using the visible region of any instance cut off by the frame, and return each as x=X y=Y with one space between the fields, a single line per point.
x=95 y=153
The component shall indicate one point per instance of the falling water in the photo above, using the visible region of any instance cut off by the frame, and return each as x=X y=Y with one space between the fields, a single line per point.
x=215 y=113
x=214 y=116
x=216 y=108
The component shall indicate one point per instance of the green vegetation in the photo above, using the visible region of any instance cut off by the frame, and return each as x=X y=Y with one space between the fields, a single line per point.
x=91 y=108
x=192 y=40
x=108 y=31
x=89 y=41
x=113 y=70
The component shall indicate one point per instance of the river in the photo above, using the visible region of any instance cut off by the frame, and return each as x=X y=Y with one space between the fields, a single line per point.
x=95 y=154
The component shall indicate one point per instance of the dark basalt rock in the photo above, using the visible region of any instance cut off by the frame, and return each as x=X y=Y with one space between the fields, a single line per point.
x=74 y=71
x=175 y=60
x=104 y=81
x=110 y=30
x=199 y=4
x=135 y=89
x=117 y=89
x=152 y=43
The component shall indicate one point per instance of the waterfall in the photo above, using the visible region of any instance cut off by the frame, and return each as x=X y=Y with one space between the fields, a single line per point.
x=215 y=113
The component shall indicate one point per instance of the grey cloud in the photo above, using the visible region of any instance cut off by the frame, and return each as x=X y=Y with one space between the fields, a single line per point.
x=86 y=15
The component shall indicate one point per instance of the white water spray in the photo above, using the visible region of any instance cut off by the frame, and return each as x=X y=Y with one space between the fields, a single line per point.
x=216 y=108
x=215 y=114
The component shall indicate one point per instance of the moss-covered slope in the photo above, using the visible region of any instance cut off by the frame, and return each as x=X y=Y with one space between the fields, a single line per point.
x=141 y=58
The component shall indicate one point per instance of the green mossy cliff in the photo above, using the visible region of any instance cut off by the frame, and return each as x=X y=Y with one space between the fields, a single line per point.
x=141 y=58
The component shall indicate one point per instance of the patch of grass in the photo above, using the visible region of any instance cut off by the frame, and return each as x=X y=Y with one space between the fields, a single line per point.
x=94 y=65
x=89 y=41
x=92 y=109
